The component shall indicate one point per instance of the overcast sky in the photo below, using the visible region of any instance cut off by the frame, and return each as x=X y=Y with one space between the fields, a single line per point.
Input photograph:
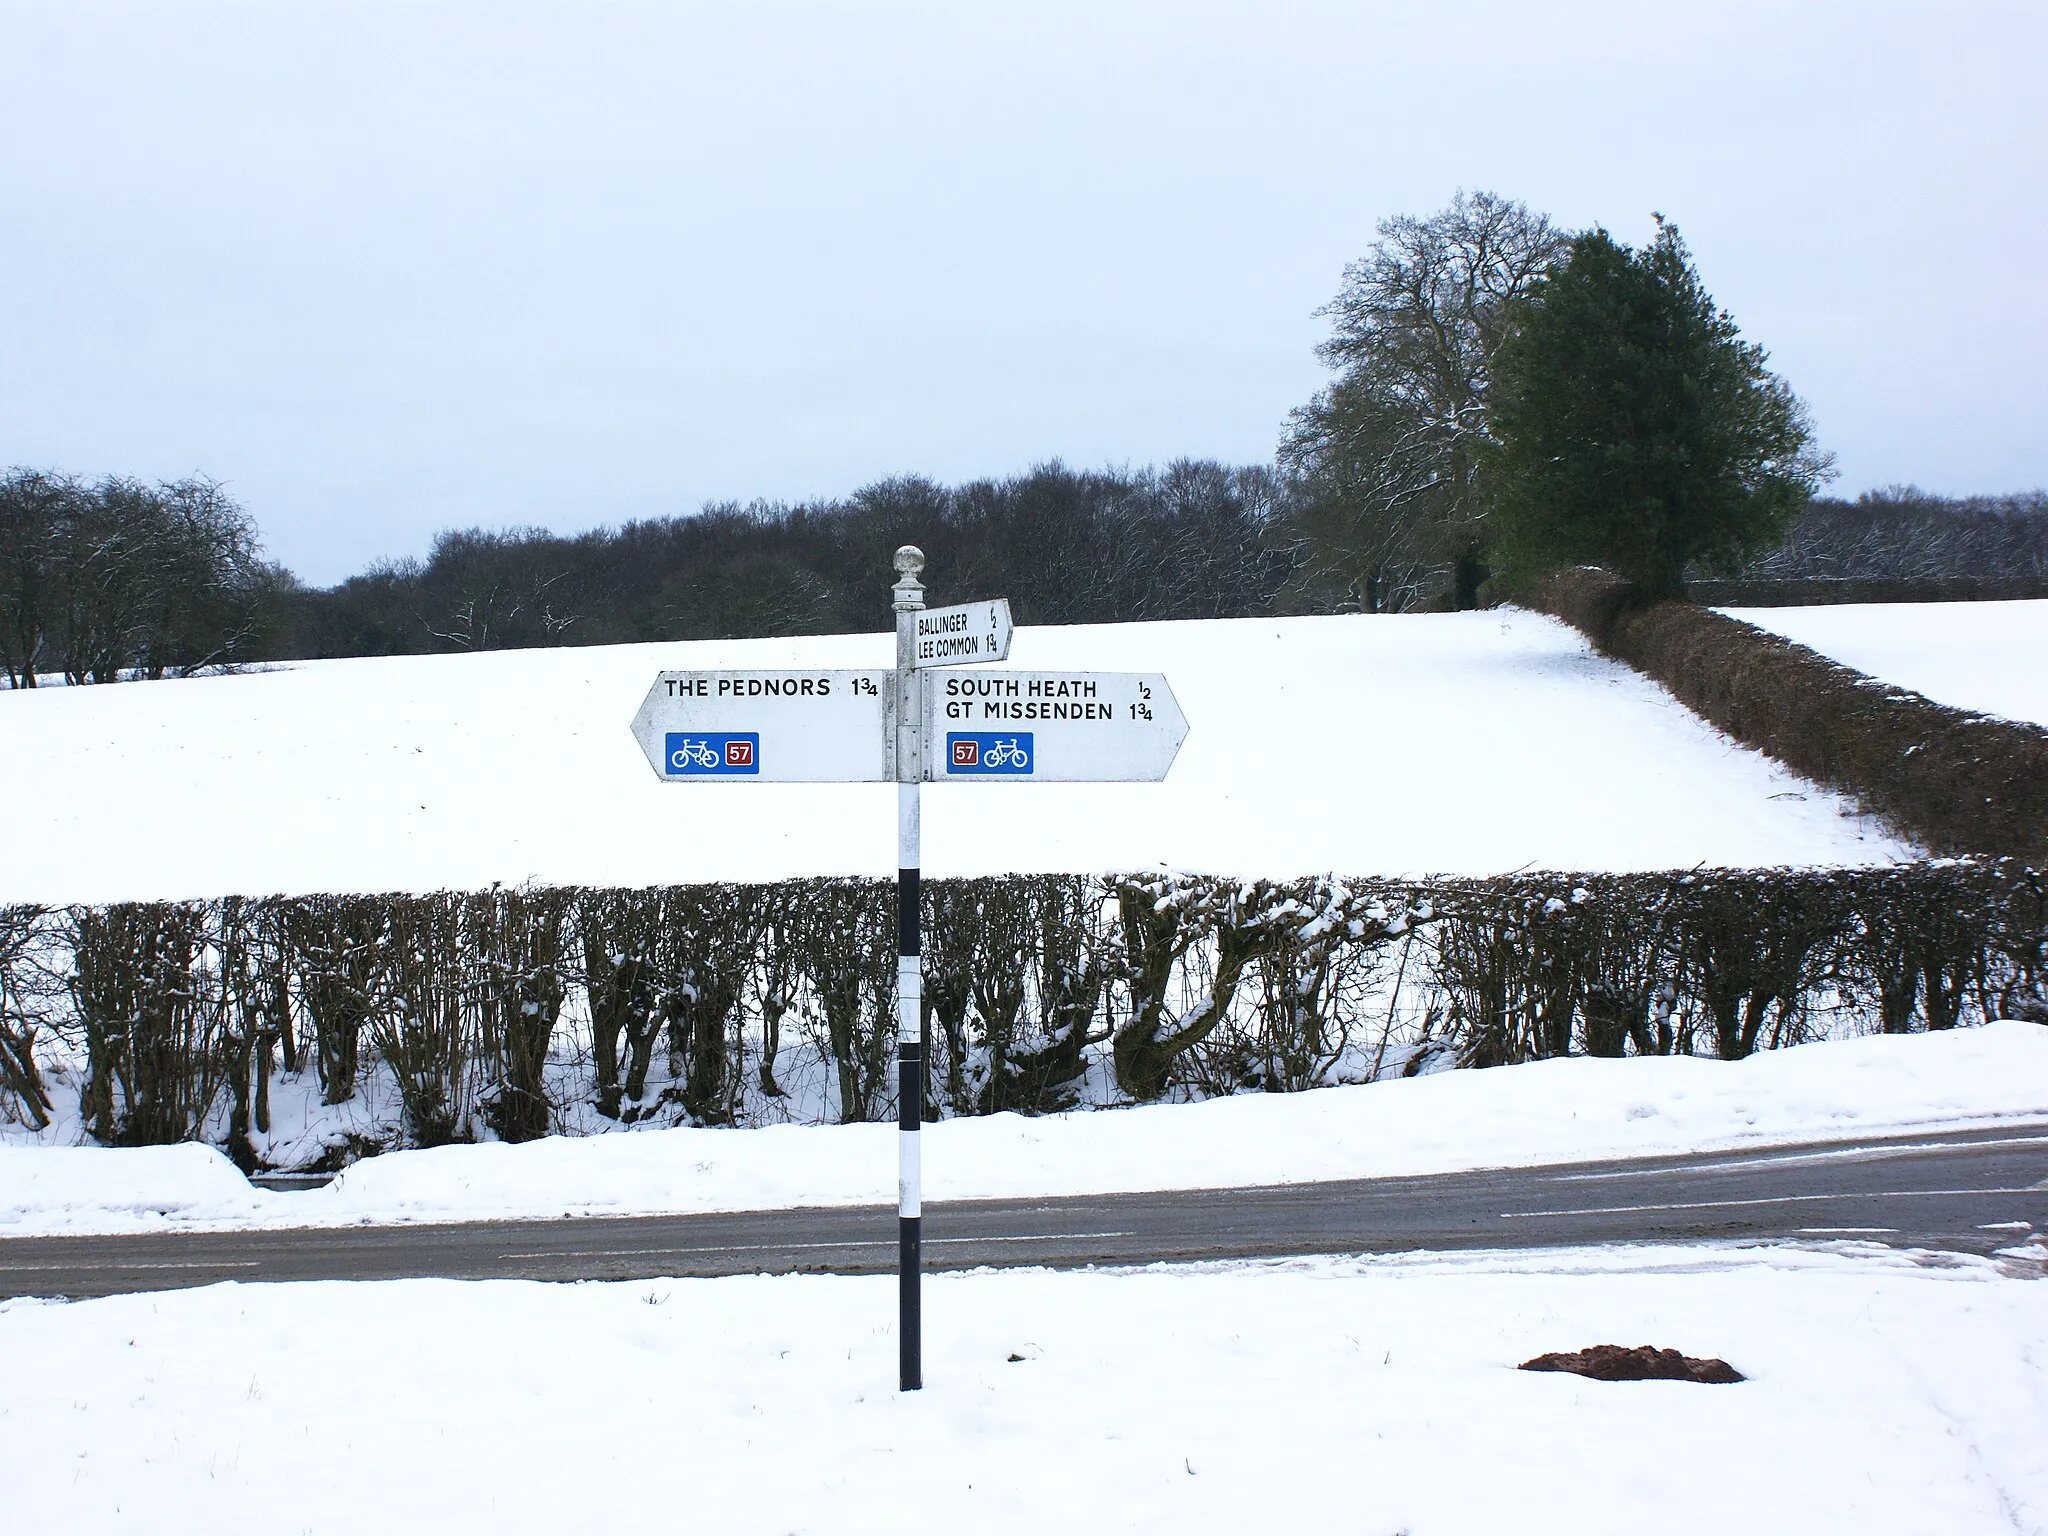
x=386 y=268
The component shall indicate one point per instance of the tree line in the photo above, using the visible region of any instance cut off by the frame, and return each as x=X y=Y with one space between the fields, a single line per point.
x=1901 y=533
x=1507 y=398
x=1065 y=546
x=101 y=582
x=115 y=578
x=1197 y=540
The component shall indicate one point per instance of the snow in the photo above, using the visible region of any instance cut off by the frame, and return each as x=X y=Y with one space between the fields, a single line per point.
x=1450 y=743
x=1986 y=657
x=1888 y=1393
x=1546 y=1112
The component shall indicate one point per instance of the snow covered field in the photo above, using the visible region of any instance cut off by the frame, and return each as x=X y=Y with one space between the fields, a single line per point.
x=1453 y=743
x=1545 y=1112
x=1888 y=1393
x=1988 y=657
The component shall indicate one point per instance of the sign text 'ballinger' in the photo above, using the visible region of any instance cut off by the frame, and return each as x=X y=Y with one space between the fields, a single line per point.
x=966 y=632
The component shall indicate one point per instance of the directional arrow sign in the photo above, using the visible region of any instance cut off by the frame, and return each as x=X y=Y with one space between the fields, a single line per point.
x=814 y=727
x=1020 y=726
x=950 y=637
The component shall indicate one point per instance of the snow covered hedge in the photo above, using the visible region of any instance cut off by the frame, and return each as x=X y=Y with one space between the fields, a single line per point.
x=517 y=1013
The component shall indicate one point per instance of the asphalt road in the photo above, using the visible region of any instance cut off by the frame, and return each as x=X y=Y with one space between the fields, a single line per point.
x=1969 y=1193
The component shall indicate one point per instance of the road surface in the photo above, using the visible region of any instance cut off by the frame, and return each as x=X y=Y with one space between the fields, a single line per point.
x=1970 y=1193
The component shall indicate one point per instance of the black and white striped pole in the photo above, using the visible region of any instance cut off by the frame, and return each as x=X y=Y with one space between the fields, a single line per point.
x=908 y=595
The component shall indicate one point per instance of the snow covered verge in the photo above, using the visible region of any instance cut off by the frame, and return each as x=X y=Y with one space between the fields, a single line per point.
x=1888 y=1393
x=1975 y=656
x=1465 y=743
x=1556 y=1111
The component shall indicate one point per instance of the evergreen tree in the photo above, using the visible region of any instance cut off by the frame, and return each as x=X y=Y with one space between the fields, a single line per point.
x=1634 y=428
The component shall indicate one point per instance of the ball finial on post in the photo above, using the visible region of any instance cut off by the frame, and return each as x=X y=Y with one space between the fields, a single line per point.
x=908 y=591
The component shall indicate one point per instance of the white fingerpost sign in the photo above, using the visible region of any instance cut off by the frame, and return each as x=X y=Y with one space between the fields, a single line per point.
x=822 y=726
x=952 y=637
x=912 y=724
x=1051 y=726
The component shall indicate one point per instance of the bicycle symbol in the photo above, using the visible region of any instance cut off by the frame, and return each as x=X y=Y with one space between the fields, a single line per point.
x=693 y=754
x=977 y=752
x=1001 y=754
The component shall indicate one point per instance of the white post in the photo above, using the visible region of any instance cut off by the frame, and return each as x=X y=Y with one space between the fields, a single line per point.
x=908 y=597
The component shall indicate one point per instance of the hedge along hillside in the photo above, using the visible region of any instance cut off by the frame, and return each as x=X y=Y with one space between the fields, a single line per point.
x=520 y=1013
x=1955 y=782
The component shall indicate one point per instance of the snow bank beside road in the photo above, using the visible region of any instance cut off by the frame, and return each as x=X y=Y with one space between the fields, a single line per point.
x=125 y=1189
x=1975 y=656
x=1546 y=1112
x=1375 y=1396
x=1438 y=743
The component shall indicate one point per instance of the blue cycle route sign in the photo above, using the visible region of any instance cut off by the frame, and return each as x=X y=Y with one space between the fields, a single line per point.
x=713 y=752
x=985 y=752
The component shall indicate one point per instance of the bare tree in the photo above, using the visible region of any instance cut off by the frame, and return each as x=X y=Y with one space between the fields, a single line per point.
x=428 y=1029
x=714 y=931
x=32 y=512
x=25 y=996
x=498 y=590
x=204 y=592
x=620 y=933
x=148 y=1009
x=847 y=943
x=1332 y=937
x=1201 y=933
x=518 y=942
x=105 y=579
x=775 y=979
x=1384 y=462
x=340 y=946
x=253 y=996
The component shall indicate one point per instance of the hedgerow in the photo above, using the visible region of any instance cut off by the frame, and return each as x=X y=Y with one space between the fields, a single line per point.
x=517 y=1013
x=1955 y=782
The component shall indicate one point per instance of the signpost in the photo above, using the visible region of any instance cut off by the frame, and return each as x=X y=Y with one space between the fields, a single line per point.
x=841 y=726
